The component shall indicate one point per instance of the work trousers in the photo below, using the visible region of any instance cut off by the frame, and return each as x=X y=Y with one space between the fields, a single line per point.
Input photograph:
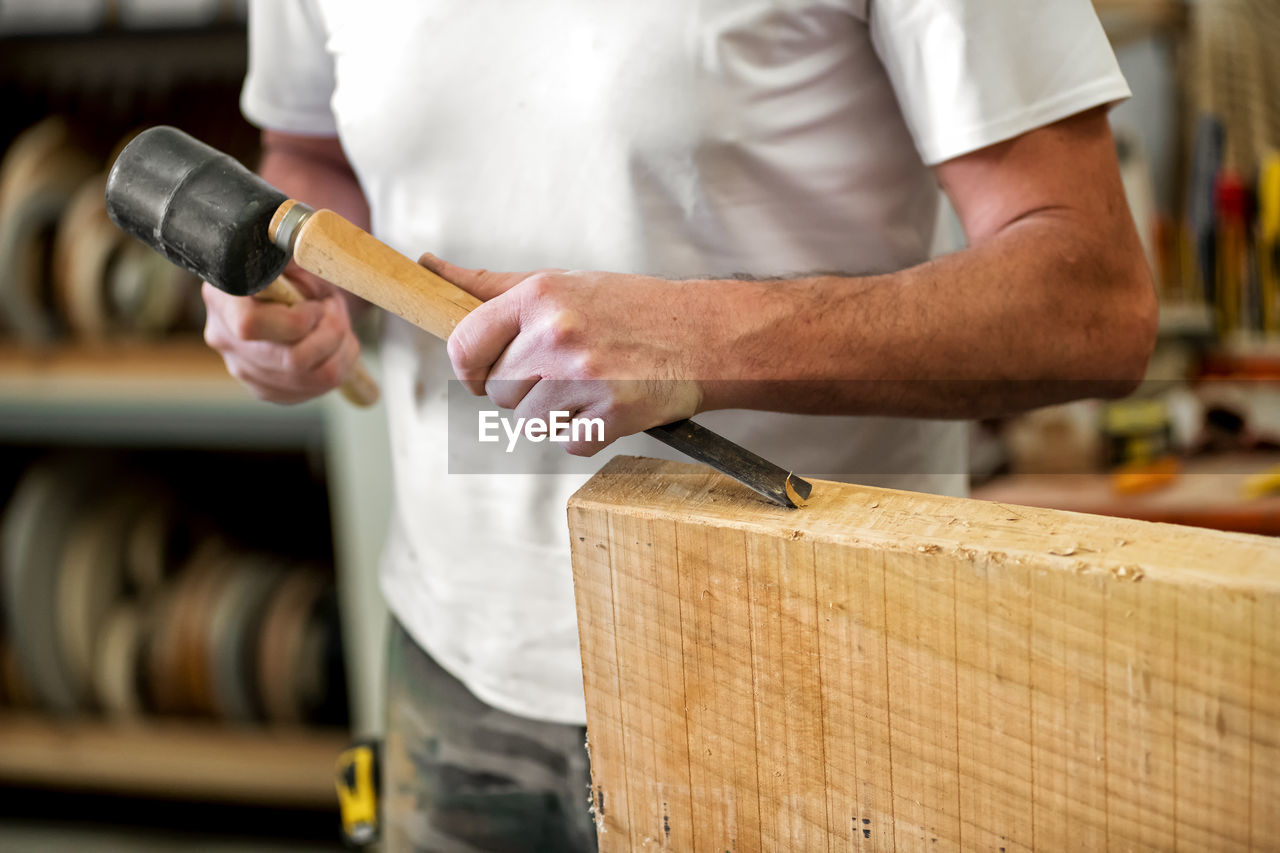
x=462 y=777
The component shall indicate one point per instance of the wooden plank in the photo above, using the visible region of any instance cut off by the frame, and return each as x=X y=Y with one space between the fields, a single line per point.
x=590 y=547
x=857 y=644
x=920 y=631
x=886 y=670
x=786 y=666
x=1139 y=715
x=1212 y=743
x=183 y=760
x=1264 y=765
x=995 y=712
x=838 y=640
x=654 y=738
x=715 y=634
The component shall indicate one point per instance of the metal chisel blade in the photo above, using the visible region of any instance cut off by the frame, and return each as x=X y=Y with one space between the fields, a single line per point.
x=760 y=475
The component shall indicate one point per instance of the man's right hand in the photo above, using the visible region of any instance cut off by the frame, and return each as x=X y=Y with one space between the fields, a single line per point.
x=282 y=353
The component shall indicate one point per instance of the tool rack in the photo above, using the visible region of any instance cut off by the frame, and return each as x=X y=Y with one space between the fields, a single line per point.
x=172 y=394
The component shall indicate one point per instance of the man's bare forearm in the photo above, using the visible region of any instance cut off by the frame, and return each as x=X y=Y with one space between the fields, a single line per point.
x=1038 y=314
x=313 y=170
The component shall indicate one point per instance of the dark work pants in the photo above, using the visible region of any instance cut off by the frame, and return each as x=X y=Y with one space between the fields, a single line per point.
x=462 y=777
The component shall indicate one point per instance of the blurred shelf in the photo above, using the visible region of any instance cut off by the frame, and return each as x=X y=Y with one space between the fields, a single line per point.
x=157 y=394
x=190 y=760
x=111 y=58
x=1206 y=494
x=41 y=17
x=1130 y=20
x=1186 y=320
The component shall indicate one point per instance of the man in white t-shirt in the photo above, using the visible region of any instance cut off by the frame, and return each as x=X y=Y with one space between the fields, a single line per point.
x=694 y=165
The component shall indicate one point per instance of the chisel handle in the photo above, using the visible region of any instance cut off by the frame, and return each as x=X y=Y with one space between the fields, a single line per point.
x=360 y=388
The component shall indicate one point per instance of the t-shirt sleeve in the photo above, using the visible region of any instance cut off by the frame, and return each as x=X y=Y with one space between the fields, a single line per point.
x=290 y=79
x=970 y=73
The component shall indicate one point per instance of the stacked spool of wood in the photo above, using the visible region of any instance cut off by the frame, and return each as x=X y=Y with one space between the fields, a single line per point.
x=70 y=271
x=110 y=286
x=40 y=173
x=115 y=602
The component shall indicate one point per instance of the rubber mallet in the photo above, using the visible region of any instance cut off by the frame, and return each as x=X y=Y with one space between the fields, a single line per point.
x=207 y=213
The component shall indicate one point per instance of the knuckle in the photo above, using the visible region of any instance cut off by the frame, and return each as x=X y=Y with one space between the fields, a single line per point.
x=329 y=374
x=564 y=328
x=582 y=448
x=500 y=391
x=540 y=285
x=245 y=326
x=461 y=350
x=291 y=360
x=586 y=365
x=456 y=347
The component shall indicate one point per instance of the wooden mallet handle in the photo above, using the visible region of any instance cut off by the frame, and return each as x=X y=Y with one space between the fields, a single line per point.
x=331 y=247
x=360 y=388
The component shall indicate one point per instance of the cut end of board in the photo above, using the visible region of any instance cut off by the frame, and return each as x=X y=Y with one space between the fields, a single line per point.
x=1121 y=549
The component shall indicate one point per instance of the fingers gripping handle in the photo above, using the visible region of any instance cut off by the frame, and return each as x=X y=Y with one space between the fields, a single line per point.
x=331 y=247
x=359 y=388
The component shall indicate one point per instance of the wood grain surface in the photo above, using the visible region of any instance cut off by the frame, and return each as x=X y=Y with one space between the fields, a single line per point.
x=887 y=670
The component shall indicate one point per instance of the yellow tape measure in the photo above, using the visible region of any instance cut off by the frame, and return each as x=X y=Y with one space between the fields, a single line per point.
x=356 y=778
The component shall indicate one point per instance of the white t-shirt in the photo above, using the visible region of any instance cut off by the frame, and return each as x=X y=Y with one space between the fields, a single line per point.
x=668 y=137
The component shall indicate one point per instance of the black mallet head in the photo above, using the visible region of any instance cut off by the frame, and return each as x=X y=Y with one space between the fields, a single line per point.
x=197 y=207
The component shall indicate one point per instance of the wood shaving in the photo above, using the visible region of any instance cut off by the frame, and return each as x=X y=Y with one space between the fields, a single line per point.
x=1070 y=551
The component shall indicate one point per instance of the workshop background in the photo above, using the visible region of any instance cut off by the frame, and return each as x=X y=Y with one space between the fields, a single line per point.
x=179 y=668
